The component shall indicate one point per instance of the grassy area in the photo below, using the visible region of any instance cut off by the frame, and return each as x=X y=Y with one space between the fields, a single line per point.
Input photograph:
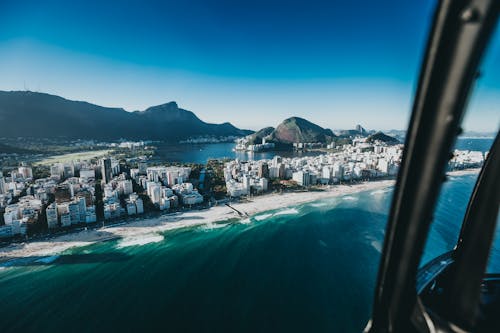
x=84 y=155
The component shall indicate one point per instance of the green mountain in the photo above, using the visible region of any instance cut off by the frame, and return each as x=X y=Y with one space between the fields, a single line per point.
x=379 y=136
x=256 y=138
x=43 y=115
x=297 y=129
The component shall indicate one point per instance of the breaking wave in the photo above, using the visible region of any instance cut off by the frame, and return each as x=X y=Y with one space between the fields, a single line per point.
x=138 y=241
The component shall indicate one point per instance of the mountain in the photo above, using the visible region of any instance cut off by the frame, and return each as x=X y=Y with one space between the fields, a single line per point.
x=398 y=134
x=358 y=131
x=256 y=138
x=297 y=129
x=43 y=115
x=382 y=137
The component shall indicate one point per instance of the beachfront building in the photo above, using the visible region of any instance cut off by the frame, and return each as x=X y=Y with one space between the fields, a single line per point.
x=52 y=216
x=25 y=172
x=161 y=196
x=17 y=216
x=134 y=204
x=187 y=194
x=463 y=159
x=359 y=161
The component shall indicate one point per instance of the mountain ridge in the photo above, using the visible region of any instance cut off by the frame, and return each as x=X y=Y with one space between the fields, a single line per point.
x=46 y=115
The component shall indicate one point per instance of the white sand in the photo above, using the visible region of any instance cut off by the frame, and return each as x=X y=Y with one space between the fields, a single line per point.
x=132 y=231
x=464 y=172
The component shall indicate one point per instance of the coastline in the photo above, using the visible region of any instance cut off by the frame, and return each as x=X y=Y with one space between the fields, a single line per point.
x=464 y=172
x=135 y=230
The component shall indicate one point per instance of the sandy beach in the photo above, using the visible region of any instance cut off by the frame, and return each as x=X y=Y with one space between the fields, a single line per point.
x=139 y=230
x=464 y=172
x=136 y=230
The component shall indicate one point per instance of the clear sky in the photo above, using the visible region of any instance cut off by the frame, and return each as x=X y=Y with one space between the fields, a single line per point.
x=253 y=63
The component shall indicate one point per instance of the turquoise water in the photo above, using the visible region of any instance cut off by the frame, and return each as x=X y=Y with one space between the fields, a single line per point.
x=306 y=268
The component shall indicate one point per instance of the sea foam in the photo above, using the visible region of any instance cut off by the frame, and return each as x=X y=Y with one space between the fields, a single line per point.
x=211 y=226
x=377 y=246
x=262 y=217
x=380 y=191
x=289 y=211
x=318 y=204
x=138 y=241
x=350 y=198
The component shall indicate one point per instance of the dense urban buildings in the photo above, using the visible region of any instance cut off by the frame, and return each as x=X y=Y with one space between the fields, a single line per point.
x=81 y=193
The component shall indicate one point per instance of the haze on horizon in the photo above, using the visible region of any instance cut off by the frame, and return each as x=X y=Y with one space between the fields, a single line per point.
x=252 y=63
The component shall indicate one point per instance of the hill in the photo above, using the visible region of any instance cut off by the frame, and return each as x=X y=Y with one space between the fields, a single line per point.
x=297 y=129
x=43 y=115
x=379 y=136
x=256 y=138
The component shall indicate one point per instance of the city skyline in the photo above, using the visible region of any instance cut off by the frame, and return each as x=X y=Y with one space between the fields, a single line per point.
x=251 y=64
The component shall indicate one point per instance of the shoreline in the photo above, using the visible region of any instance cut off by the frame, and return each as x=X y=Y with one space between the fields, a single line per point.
x=138 y=228
x=463 y=172
x=135 y=230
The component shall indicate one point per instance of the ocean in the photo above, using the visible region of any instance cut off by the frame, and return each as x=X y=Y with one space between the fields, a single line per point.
x=303 y=268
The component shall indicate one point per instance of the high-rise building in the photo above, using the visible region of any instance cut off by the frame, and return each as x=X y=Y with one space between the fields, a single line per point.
x=62 y=193
x=126 y=186
x=82 y=208
x=106 y=170
x=263 y=171
x=142 y=166
x=74 y=212
x=302 y=178
x=55 y=171
x=139 y=205
x=276 y=161
x=51 y=212
x=154 y=192
x=68 y=170
x=25 y=171
x=2 y=183
x=87 y=174
x=281 y=171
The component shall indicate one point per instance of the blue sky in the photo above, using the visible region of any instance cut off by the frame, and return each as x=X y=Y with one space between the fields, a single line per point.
x=253 y=63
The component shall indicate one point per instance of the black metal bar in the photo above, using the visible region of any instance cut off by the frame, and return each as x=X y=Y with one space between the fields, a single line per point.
x=458 y=38
x=461 y=297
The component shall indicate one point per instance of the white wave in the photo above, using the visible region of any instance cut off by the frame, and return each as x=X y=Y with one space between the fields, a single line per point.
x=318 y=204
x=211 y=226
x=289 y=211
x=377 y=246
x=47 y=260
x=262 y=217
x=245 y=221
x=138 y=241
x=350 y=198
x=380 y=191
